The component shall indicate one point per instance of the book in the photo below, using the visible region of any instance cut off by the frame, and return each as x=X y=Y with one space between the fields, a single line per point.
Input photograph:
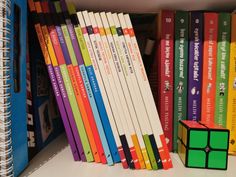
x=58 y=86
x=69 y=82
x=79 y=49
x=223 y=50
x=112 y=91
x=209 y=66
x=163 y=153
x=139 y=73
x=126 y=98
x=165 y=79
x=75 y=74
x=180 y=71
x=98 y=90
x=14 y=147
x=105 y=152
x=195 y=65
x=231 y=104
x=127 y=69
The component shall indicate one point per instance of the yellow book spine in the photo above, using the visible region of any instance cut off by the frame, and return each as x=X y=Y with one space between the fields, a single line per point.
x=231 y=112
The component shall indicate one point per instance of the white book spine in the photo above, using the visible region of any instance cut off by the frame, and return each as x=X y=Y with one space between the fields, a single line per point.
x=144 y=83
x=115 y=48
x=101 y=83
x=117 y=89
x=133 y=84
x=89 y=46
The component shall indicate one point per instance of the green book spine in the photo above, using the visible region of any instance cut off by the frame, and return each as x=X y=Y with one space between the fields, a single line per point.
x=222 y=69
x=76 y=112
x=180 y=71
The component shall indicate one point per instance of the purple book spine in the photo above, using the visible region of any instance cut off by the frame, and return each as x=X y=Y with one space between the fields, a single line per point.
x=195 y=66
x=69 y=112
x=74 y=42
x=58 y=96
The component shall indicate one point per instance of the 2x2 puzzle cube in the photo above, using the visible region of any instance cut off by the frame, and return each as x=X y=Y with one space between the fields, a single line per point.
x=203 y=145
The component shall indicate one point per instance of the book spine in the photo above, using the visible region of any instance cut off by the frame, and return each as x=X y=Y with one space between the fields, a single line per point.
x=94 y=86
x=180 y=71
x=149 y=100
x=122 y=88
x=133 y=87
x=231 y=110
x=76 y=78
x=70 y=85
x=54 y=83
x=140 y=76
x=93 y=123
x=55 y=49
x=80 y=48
x=222 y=69
x=209 y=67
x=98 y=90
x=117 y=92
x=103 y=82
x=123 y=75
x=195 y=66
x=166 y=52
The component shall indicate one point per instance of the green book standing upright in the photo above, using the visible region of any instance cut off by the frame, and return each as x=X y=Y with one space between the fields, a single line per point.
x=180 y=70
x=222 y=69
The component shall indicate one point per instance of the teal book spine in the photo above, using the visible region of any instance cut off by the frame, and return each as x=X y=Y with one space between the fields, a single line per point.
x=181 y=71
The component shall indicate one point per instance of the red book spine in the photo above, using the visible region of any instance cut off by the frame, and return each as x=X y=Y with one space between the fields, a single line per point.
x=209 y=66
x=165 y=73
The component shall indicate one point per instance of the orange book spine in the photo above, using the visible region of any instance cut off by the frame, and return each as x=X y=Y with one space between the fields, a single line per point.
x=209 y=66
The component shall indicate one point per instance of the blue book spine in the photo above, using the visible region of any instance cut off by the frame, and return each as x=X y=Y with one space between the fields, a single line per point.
x=103 y=113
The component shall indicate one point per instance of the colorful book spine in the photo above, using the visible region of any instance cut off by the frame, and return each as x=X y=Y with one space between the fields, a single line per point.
x=59 y=93
x=139 y=75
x=76 y=78
x=195 y=66
x=57 y=50
x=99 y=90
x=148 y=97
x=165 y=67
x=119 y=115
x=125 y=96
x=231 y=109
x=180 y=71
x=120 y=99
x=87 y=62
x=222 y=75
x=209 y=67
x=71 y=21
x=127 y=68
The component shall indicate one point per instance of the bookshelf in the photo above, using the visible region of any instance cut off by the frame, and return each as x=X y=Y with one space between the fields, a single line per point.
x=56 y=159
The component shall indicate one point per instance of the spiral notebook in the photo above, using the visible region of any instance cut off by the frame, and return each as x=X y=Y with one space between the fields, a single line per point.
x=13 y=134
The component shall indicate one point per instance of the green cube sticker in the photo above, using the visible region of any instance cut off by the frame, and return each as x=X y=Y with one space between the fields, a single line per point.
x=198 y=139
x=196 y=158
x=219 y=139
x=217 y=159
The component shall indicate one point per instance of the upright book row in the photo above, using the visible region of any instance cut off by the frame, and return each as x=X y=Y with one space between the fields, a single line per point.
x=100 y=85
x=197 y=65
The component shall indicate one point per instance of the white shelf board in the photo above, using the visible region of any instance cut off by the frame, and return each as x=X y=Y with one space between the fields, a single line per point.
x=61 y=164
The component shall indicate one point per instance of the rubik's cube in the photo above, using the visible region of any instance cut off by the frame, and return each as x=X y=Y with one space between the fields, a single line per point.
x=203 y=145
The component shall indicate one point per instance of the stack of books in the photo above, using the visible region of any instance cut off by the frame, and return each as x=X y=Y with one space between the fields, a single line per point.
x=196 y=62
x=101 y=87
